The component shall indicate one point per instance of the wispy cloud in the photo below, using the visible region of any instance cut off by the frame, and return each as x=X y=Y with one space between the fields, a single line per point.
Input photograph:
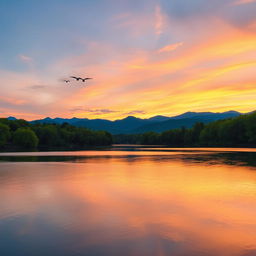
x=93 y=111
x=170 y=47
x=104 y=111
x=159 y=20
x=12 y=101
x=36 y=87
x=25 y=58
x=242 y=2
x=134 y=112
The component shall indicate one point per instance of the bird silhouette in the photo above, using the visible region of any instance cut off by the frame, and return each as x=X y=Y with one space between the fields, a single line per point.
x=77 y=78
x=66 y=81
x=87 y=78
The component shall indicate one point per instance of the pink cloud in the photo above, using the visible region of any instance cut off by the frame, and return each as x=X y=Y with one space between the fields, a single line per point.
x=25 y=58
x=12 y=101
x=241 y=2
x=171 y=47
x=159 y=20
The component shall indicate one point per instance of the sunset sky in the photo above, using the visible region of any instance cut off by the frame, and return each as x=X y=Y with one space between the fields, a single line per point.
x=147 y=57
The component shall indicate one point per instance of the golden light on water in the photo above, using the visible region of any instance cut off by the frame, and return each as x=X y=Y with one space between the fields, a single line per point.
x=193 y=206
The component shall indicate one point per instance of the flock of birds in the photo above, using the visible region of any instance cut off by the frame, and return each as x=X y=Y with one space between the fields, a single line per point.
x=77 y=79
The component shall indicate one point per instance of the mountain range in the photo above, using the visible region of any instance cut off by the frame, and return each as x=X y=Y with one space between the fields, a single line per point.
x=133 y=125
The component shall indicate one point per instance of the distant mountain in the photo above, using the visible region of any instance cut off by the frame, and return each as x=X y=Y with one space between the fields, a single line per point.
x=58 y=120
x=187 y=120
x=118 y=126
x=12 y=118
x=208 y=115
x=159 y=118
x=133 y=124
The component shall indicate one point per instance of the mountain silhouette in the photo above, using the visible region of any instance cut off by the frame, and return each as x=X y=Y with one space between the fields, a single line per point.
x=187 y=120
x=132 y=125
x=210 y=115
x=11 y=118
x=159 y=118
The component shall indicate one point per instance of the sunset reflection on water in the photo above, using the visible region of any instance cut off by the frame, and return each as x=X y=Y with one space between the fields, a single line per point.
x=168 y=204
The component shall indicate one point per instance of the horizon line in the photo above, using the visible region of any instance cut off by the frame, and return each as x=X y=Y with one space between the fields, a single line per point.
x=197 y=112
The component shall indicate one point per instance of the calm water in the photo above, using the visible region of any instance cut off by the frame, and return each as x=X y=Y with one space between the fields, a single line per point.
x=129 y=202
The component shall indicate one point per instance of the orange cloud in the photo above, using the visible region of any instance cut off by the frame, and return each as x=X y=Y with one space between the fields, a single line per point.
x=146 y=85
x=171 y=47
x=13 y=101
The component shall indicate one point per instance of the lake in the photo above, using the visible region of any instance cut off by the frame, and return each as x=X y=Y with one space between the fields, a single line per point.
x=129 y=201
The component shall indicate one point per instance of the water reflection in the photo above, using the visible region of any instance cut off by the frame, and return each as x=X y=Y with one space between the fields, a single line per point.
x=204 y=158
x=119 y=204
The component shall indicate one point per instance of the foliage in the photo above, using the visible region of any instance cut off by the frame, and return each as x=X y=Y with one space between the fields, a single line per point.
x=22 y=135
x=127 y=138
x=233 y=132
x=25 y=138
x=4 y=134
x=150 y=138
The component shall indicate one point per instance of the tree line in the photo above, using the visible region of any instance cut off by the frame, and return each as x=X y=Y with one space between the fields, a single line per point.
x=22 y=135
x=234 y=132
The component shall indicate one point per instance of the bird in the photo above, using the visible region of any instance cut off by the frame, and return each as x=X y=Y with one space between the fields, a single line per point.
x=77 y=78
x=87 y=78
x=66 y=81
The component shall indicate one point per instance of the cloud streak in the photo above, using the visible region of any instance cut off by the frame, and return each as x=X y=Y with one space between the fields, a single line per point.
x=242 y=2
x=159 y=20
x=25 y=58
x=170 y=47
x=92 y=111
x=37 y=87
x=136 y=112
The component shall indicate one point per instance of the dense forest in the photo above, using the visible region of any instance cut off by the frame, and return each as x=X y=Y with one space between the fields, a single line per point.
x=233 y=132
x=21 y=135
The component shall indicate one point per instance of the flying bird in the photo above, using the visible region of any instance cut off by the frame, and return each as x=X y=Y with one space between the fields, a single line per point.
x=66 y=81
x=87 y=78
x=77 y=78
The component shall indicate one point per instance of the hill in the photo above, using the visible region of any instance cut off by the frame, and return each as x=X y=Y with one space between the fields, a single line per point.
x=186 y=120
x=132 y=125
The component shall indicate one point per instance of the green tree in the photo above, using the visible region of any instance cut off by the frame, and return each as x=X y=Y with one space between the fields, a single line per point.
x=150 y=138
x=25 y=138
x=4 y=134
x=250 y=126
x=232 y=132
x=48 y=135
x=209 y=135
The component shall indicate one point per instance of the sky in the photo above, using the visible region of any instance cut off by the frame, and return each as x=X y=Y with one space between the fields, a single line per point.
x=146 y=57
